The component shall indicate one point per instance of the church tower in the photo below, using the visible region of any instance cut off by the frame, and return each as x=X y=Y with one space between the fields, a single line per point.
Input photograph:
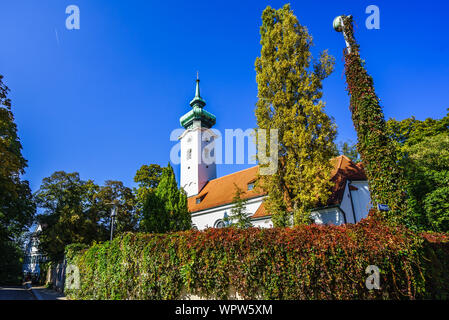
x=197 y=146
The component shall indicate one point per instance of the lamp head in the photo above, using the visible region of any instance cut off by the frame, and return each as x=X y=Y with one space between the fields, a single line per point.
x=114 y=212
x=338 y=24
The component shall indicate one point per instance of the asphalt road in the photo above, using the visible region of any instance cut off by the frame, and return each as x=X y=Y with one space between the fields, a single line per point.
x=15 y=293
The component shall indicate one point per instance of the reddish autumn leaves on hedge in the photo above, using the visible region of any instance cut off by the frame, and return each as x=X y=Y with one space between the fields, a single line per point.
x=309 y=262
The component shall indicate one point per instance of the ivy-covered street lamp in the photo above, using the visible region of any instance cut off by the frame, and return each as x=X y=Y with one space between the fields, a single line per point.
x=339 y=27
x=378 y=154
x=113 y=215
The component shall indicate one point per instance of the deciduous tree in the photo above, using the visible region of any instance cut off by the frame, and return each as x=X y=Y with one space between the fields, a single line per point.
x=67 y=215
x=78 y=211
x=147 y=179
x=116 y=194
x=289 y=99
x=349 y=149
x=423 y=147
x=17 y=208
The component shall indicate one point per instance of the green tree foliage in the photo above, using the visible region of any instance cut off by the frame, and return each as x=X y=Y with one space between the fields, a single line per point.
x=115 y=194
x=165 y=208
x=147 y=179
x=17 y=208
x=289 y=92
x=428 y=177
x=411 y=131
x=11 y=261
x=239 y=217
x=77 y=211
x=424 y=150
x=349 y=149
x=67 y=217
x=376 y=149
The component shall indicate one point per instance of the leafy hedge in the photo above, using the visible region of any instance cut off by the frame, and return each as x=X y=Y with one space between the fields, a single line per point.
x=308 y=262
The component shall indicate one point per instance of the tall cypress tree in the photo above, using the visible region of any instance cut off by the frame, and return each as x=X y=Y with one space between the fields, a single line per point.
x=376 y=149
x=289 y=92
x=165 y=209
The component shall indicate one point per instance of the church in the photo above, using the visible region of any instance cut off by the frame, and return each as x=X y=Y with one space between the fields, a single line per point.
x=210 y=198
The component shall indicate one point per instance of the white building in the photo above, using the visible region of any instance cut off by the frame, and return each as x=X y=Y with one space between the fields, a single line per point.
x=210 y=198
x=33 y=256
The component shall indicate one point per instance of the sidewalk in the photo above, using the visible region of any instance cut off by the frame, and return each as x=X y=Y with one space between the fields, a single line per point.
x=42 y=293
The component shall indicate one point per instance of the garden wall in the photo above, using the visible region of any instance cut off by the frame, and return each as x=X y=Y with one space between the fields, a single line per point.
x=310 y=262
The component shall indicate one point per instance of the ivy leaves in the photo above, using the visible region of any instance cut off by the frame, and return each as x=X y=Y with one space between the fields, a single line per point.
x=377 y=151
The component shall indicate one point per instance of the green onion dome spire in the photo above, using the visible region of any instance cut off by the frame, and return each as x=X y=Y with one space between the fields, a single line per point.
x=197 y=100
x=197 y=117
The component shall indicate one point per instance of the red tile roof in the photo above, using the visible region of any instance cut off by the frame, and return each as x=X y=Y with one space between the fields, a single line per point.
x=344 y=169
x=260 y=212
x=221 y=191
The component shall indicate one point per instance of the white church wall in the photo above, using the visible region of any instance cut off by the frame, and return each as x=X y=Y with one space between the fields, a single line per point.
x=264 y=222
x=361 y=199
x=209 y=217
x=328 y=216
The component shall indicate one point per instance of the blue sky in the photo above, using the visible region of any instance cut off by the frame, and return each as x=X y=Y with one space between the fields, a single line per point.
x=104 y=99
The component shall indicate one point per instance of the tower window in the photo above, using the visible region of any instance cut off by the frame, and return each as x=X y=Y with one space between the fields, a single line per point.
x=189 y=154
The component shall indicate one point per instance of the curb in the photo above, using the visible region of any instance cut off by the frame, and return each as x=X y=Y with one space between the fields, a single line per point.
x=36 y=295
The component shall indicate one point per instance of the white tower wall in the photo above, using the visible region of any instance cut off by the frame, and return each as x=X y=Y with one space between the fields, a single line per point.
x=197 y=159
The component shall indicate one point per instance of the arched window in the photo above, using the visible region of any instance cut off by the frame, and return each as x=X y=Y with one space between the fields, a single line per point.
x=219 y=224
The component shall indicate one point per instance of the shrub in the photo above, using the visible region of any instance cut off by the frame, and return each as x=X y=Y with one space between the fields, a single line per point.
x=307 y=262
x=10 y=262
